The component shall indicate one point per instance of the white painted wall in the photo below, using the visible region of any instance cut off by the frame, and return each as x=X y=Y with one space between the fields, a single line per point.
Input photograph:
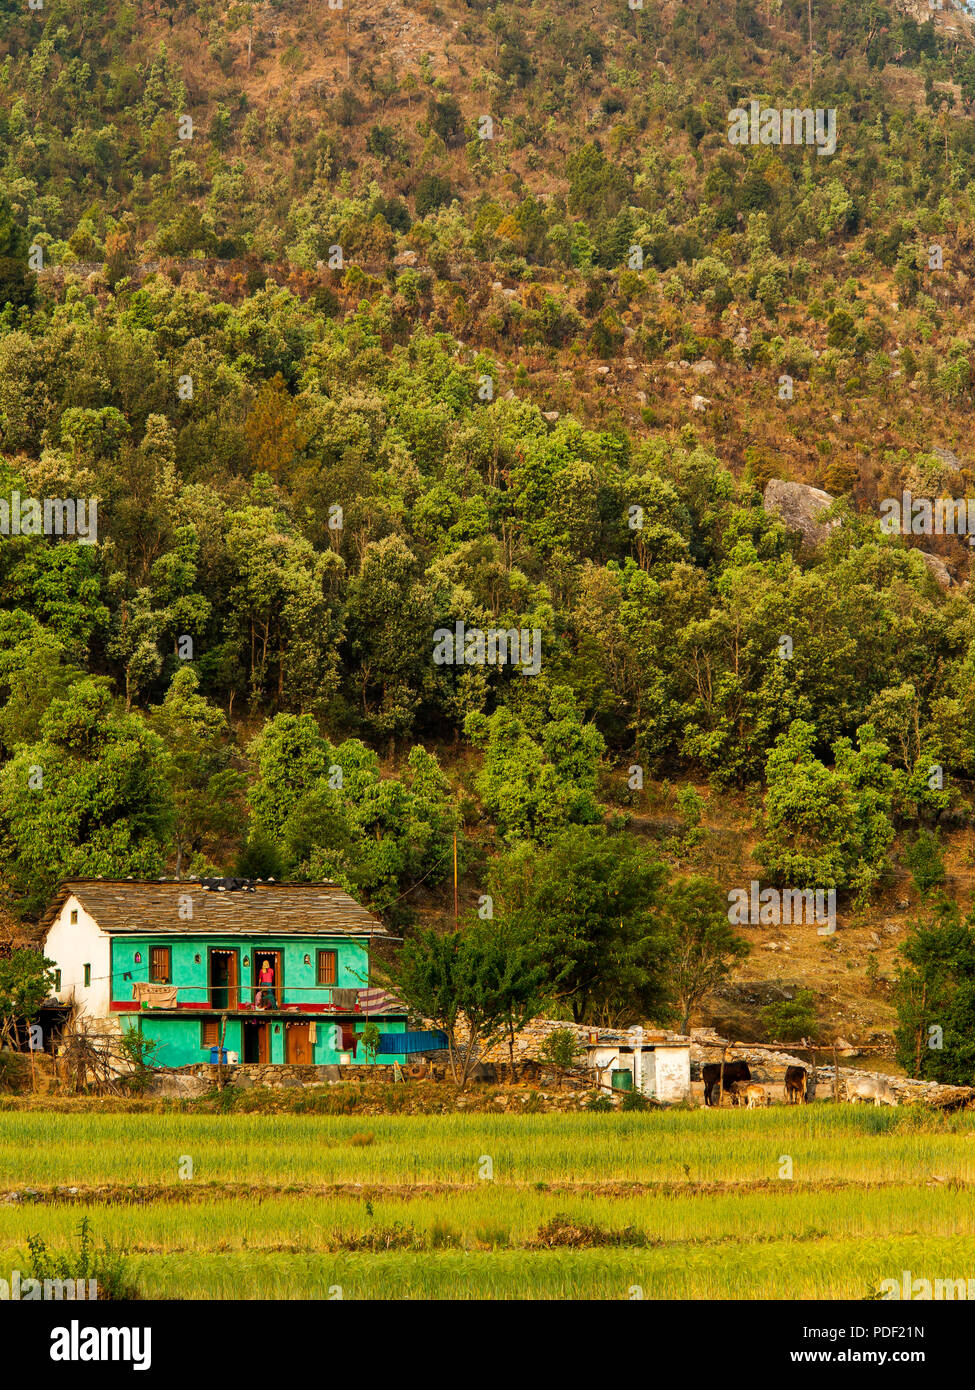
x=71 y=946
x=672 y=1066
x=662 y=1071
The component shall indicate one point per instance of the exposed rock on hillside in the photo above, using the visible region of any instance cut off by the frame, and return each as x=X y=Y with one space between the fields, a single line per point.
x=799 y=507
x=937 y=567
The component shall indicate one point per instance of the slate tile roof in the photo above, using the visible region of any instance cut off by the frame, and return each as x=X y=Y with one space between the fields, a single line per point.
x=261 y=909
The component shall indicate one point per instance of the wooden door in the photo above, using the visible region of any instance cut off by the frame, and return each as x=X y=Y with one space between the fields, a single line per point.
x=233 y=981
x=299 y=1048
x=224 y=979
x=256 y=1040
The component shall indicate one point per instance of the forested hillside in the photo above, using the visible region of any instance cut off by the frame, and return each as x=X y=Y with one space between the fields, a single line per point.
x=337 y=313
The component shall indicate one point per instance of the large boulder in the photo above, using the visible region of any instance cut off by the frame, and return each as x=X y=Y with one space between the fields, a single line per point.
x=938 y=568
x=799 y=507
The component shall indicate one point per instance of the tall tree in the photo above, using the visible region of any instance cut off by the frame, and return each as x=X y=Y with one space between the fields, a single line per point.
x=592 y=902
x=704 y=946
x=207 y=793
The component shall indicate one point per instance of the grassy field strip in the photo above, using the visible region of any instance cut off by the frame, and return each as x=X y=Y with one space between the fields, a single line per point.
x=570 y=1212
x=823 y=1142
x=831 y=1268
x=495 y=1216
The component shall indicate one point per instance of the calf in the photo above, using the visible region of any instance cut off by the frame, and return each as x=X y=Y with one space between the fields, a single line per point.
x=756 y=1096
x=869 y=1088
x=711 y=1075
x=795 y=1085
x=738 y=1091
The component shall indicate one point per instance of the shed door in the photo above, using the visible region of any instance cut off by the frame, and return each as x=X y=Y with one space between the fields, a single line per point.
x=298 y=1048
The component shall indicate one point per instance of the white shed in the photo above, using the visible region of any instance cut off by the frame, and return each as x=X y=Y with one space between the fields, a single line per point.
x=658 y=1064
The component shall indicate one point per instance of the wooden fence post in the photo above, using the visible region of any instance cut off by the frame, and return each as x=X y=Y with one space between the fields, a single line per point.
x=223 y=1039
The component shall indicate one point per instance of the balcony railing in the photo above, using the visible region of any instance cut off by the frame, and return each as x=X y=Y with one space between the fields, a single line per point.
x=329 y=999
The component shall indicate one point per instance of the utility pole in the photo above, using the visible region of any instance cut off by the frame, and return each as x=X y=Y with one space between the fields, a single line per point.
x=456 y=911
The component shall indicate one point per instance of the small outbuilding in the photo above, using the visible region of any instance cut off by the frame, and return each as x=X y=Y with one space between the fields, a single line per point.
x=657 y=1064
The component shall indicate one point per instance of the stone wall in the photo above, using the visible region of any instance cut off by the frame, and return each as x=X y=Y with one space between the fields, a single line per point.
x=283 y=1074
x=907 y=1090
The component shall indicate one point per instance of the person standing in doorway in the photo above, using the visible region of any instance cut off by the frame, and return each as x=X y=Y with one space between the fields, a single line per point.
x=266 y=981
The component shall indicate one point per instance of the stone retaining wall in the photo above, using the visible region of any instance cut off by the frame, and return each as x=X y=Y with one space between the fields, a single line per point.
x=285 y=1073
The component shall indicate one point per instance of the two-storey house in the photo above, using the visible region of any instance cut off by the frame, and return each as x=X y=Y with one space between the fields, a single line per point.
x=276 y=972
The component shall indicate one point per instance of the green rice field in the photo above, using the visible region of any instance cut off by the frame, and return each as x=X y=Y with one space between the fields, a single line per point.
x=672 y=1204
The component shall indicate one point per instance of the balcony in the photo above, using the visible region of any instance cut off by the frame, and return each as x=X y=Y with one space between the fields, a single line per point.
x=250 y=1000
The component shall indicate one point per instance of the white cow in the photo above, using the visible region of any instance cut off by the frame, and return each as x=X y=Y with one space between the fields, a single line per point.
x=870 y=1088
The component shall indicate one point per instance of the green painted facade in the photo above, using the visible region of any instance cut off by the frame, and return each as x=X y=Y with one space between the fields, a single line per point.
x=179 y=1033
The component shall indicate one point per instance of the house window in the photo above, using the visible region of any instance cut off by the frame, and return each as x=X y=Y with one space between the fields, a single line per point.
x=57 y=981
x=87 y=976
x=210 y=1032
x=327 y=967
x=160 y=965
x=74 y=916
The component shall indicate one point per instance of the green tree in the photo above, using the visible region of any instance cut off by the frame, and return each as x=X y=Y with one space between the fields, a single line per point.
x=17 y=283
x=791 y=1020
x=428 y=977
x=207 y=793
x=591 y=900
x=561 y=1050
x=471 y=973
x=534 y=787
x=87 y=799
x=390 y=622
x=26 y=980
x=925 y=861
x=137 y=1053
x=934 y=993
x=704 y=946
x=828 y=827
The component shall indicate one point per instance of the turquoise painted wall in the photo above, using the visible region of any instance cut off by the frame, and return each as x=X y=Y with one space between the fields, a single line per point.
x=180 y=1044
x=352 y=966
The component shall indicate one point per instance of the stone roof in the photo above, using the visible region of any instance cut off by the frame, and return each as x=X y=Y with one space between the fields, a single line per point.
x=257 y=909
x=529 y=1039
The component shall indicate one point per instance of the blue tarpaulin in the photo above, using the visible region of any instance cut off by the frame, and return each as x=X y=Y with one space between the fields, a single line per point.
x=400 y=1044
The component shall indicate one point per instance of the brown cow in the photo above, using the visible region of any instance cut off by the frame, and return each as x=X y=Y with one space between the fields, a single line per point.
x=795 y=1085
x=711 y=1075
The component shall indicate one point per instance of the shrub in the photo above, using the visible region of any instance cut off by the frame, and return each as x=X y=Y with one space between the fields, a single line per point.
x=106 y=1265
x=790 y=1020
x=432 y=192
x=561 y=1051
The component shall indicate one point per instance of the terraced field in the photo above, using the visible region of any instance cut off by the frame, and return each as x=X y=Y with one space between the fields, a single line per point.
x=659 y=1205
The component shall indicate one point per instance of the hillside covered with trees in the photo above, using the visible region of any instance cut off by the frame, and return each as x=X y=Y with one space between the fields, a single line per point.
x=337 y=313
